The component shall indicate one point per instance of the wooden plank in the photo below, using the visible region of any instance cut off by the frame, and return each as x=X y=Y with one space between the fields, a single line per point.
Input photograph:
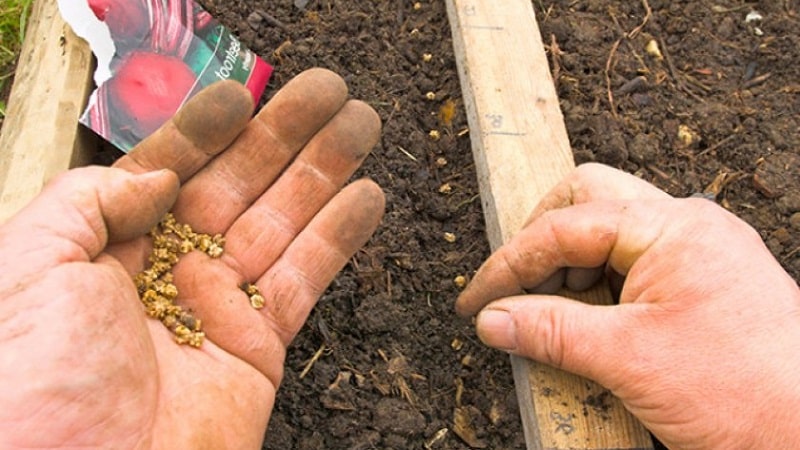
x=521 y=151
x=41 y=136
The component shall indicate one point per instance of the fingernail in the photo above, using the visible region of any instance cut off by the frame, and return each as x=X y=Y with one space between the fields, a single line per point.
x=496 y=329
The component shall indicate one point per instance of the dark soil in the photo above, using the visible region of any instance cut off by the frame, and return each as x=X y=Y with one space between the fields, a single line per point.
x=384 y=362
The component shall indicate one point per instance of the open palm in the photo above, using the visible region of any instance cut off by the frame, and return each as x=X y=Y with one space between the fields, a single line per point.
x=81 y=363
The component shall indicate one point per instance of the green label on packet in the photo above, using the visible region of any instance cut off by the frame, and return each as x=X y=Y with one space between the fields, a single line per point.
x=226 y=61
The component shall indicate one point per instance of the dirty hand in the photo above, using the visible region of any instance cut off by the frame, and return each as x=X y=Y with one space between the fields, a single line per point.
x=703 y=345
x=81 y=364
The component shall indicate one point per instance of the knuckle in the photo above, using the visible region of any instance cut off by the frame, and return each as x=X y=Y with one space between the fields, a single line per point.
x=548 y=338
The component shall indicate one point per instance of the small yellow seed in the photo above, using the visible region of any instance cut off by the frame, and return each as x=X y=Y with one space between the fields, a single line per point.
x=435 y=135
x=214 y=251
x=460 y=281
x=186 y=246
x=203 y=242
x=427 y=57
x=445 y=188
x=430 y=96
x=257 y=301
x=653 y=50
x=449 y=237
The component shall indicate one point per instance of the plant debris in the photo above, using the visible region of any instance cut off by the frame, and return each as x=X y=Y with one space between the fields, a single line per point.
x=156 y=286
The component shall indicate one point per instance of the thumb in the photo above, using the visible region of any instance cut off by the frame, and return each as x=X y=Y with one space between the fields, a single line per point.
x=83 y=210
x=566 y=334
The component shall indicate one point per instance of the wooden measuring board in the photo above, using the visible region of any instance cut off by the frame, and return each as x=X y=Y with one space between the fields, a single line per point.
x=41 y=136
x=521 y=151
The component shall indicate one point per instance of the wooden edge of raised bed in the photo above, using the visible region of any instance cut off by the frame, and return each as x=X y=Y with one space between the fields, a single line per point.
x=41 y=136
x=521 y=150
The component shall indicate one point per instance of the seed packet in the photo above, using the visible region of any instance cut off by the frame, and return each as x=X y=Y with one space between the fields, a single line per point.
x=152 y=56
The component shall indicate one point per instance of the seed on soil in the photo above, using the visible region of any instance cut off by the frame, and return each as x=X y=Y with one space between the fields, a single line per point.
x=447 y=112
x=427 y=57
x=155 y=285
x=435 y=135
x=653 y=50
x=686 y=136
x=441 y=161
x=457 y=344
x=430 y=96
x=449 y=237
x=460 y=281
x=445 y=188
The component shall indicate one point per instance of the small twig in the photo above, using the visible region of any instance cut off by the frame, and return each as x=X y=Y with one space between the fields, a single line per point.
x=405 y=152
x=717 y=145
x=272 y=20
x=609 y=63
x=555 y=53
x=648 y=14
x=756 y=81
x=663 y=175
x=723 y=10
x=674 y=72
x=311 y=362
x=467 y=202
x=791 y=254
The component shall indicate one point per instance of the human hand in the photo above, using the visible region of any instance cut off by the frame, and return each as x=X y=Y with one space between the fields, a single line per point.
x=82 y=367
x=703 y=345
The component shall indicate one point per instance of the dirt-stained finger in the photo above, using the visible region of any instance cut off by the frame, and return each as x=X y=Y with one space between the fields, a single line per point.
x=200 y=130
x=596 y=182
x=82 y=210
x=260 y=235
x=311 y=262
x=230 y=183
x=290 y=287
x=582 y=236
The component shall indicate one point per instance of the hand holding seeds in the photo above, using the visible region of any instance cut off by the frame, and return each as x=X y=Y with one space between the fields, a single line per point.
x=261 y=221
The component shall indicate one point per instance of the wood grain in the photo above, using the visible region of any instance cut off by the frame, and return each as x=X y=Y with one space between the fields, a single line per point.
x=521 y=150
x=41 y=136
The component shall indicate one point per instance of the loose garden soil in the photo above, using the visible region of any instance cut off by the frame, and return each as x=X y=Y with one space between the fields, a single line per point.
x=384 y=362
x=689 y=95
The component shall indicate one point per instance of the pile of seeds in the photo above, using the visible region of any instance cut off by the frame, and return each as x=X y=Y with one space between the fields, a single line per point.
x=155 y=284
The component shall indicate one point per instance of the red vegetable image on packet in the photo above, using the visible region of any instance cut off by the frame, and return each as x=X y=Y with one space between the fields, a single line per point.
x=153 y=55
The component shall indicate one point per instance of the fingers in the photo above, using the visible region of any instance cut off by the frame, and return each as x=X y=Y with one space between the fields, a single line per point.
x=522 y=264
x=291 y=286
x=201 y=129
x=584 y=236
x=563 y=333
x=261 y=234
x=84 y=209
x=596 y=182
x=307 y=267
x=217 y=195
